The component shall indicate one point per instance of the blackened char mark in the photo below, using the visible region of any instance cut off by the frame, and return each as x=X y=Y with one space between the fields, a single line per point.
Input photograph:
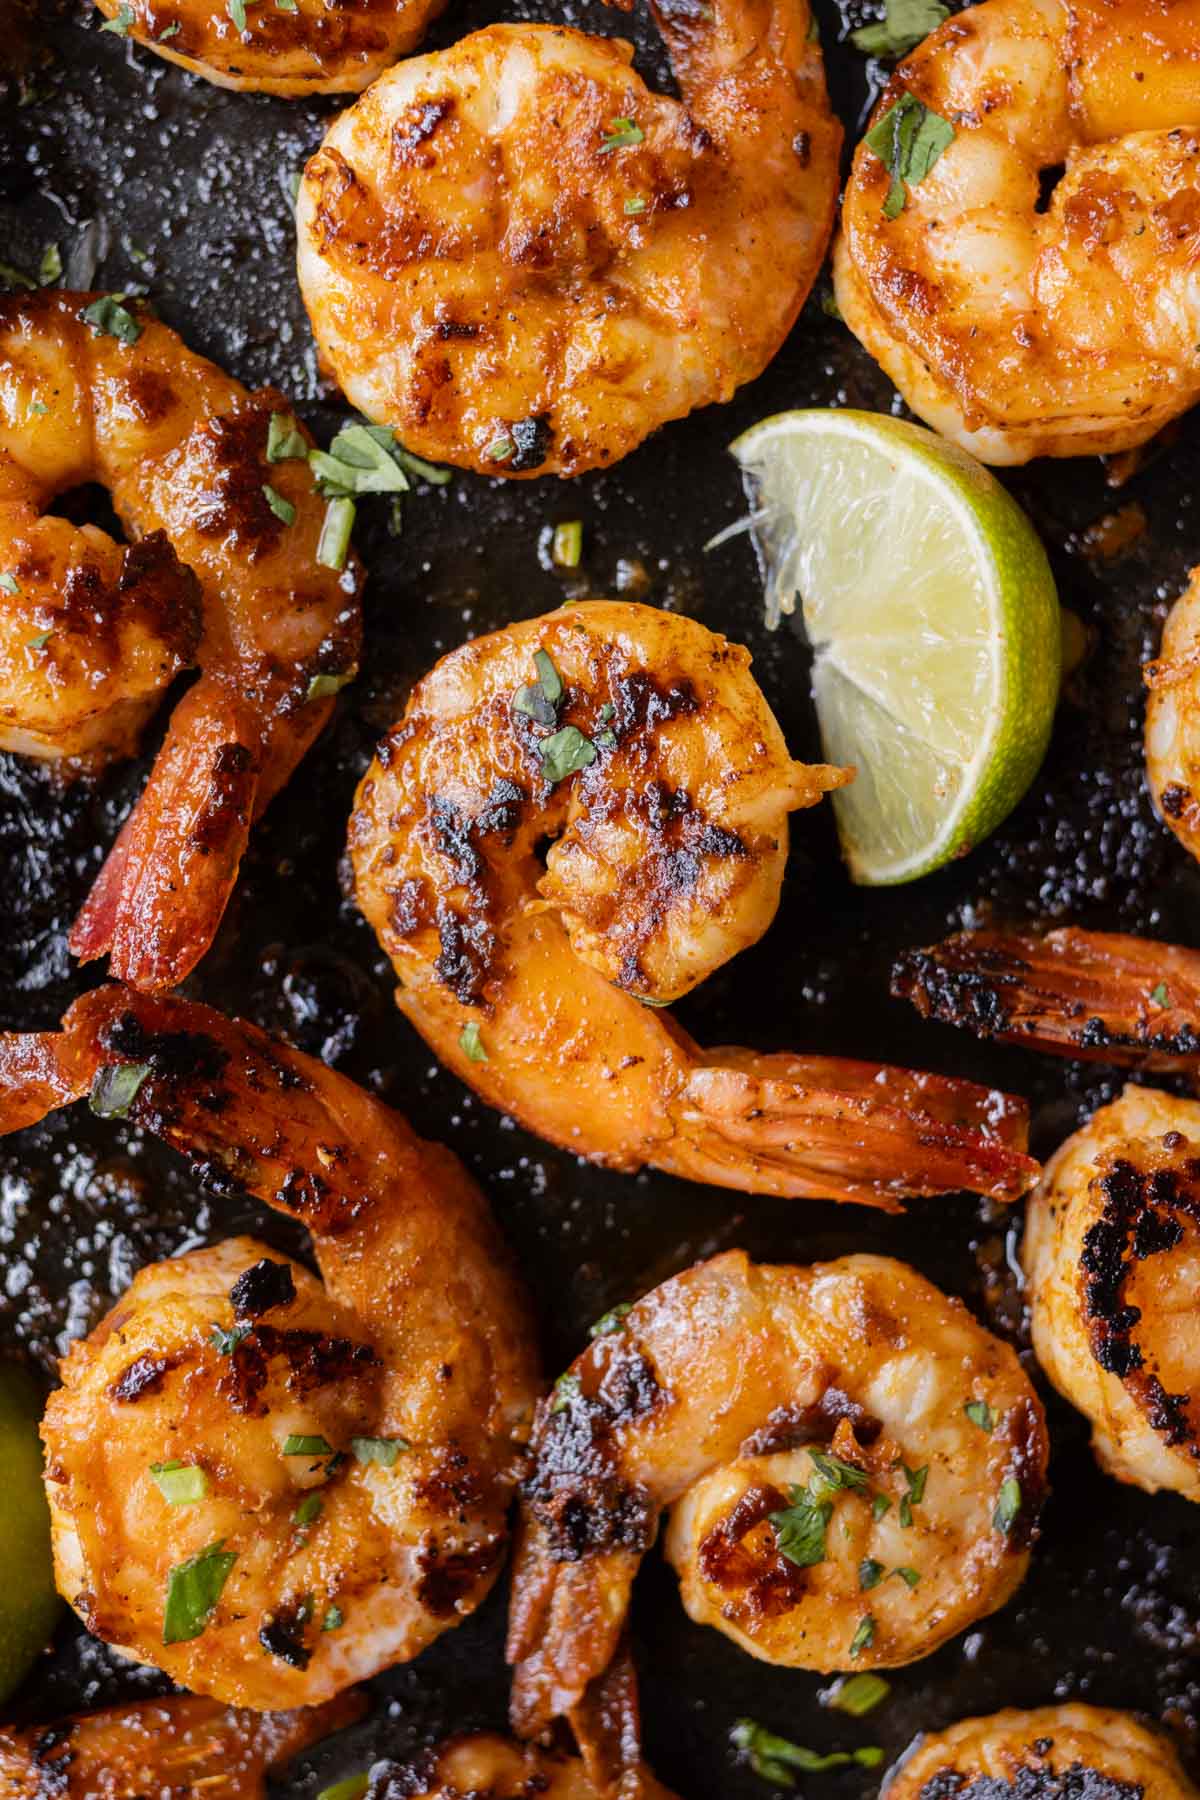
x=144 y=1375
x=184 y=1056
x=466 y=935
x=1022 y=1430
x=449 y=1577
x=762 y=1583
x=791 y=1427
x=307 y=1360
x=578 y=1490
x=1032 y=1781
x=1140 y=1218
x=264 y=1285
x=283 y=1636
x=975 y=998
x=532 y=439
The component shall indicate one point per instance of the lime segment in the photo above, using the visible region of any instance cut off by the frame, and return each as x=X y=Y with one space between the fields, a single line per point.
x=934 y=622
x=28 y=1602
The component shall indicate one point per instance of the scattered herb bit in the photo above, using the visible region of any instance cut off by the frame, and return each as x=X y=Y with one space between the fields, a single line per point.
x=120 y=22
x=169 y=31
x=981 y=1414
x=362 y=459
x=634 y=205
x=51 y=266
x=864 y=1635
x=180 y=1484
x=830 y=307
x=500 y=449
x=908 y=140
x=565 y=753
x=285 y=440
x=226 y=1342
x=870 y=1573
x=471 y=1043
x=909 y=1577
x=801 y=1527
x=566 y=548
x=193 y=1590
x=858 y=1694
x=416 y=465
x=395 y=517
x=40 y=641
x=334 y=543
x=539 y=700
x=9 y=582
x=323 y=687
x=916 y=1479
x=115 y=1088
x=108 y=318
x=905 y=24
x=353 y=1788
x=880 y=1504
x=1008 y=1505
x=309 y=1510
x=623 y=134
x=835 y=1473
x=38 y=409
x=237 y=12
x=383 y=1451
x=288 y=6
x=299 y=1443
x=334 y=1617
x=1160 y=995
x=283 y=509
x=566 y=1389
x=613 y=1320
x=774 y=1758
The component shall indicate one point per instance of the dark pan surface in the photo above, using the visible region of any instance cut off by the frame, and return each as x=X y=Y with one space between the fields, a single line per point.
x=143 y=174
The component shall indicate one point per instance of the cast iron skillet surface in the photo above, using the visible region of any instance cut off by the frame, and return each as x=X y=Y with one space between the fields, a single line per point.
x=144 y=174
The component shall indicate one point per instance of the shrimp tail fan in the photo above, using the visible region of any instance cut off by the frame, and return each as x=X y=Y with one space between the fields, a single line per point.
x=155 y=906
x=814 y=1127
x=1097 y=995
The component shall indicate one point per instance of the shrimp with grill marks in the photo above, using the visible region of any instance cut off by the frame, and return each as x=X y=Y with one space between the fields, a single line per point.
x=180 y=1748
x=1052 y=1751
x=637 y=746
x=222 y=572
x=1112 y=1259
x=272 y=1486
x=1018 y=245
x=855 y=1468
x=309 y=47
x=524 y=262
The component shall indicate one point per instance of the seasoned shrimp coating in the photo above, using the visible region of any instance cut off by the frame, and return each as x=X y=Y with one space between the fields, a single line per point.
x=222 y=570
x=1173 y=719
x=308 y=48
x=636 y=743
x=855 y=1467
x=487 y=1765
x=1052 y=1750
x=524 y=262
x=267 y=1485
x=1112 y=1259
x=1021 y=325
x=1098 y=995
x=179 y=1748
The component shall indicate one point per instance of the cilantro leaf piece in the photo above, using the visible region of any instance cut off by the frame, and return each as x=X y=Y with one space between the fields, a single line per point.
x=383 y=1451
x=907 y=139
x=801 y=1527
x=565 y=753
x=193 y=1589
x=612 y=1320
x=981 y=1414
x=1008 y=1505
x=904 y=25
x=108 y=318
x=115 y=1088
x=774 y=1757
x=864 y=1635
x=471 y=1043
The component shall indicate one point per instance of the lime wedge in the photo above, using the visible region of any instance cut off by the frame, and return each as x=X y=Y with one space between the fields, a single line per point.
x=934 y=623
x=28 y=1602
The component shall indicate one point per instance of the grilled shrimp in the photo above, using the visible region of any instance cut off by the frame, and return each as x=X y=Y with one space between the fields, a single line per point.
x=307 y=48
x=1112 y=1258
x=523 y=261
x=1022 y=326
x=223 y=571
x=485 y=1764
x=268 y=1485
x=637 y=744
x=180 y=1748
x=855 y=1467
x=1173 y=719
x=1070 y=1749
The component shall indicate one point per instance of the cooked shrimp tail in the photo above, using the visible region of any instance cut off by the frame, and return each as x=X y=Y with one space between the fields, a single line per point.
x=1090 y=994
x=730 y=1387
x=180 y=1746
x=826 y=1127
x=405 y=1377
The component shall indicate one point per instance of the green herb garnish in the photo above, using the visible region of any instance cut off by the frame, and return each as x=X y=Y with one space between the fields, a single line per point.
x=775 y=1758
x=180 y=1484
x=801 y=1527
x=299 y=1443
x=634 y=205
x=1008 y=1506
x=981 y=1414
x=169 y=31
x=905 y=24
x=613 y=1320
x=909 y=1577
x=566 y=547
x=285 y=440
x=880 y=1504
x=226 y=1342
x=333 y=545
x=623 y=134
x=309 y=1510
x=283 y=509
x=362 y=459
x=115 y=1088
x=567 y=1388
x=834 y=1473
x=193 y=1590
x=383 y=1451
x=353 y=1788
x=8 y=582
x=870 y=1573
x=916 y=1479
x=40 y=641
x=858 y=1694
x=565 y=753
x=908 y=140
x=334 y=1617
x=237 y=12
x=864 y=1635
x=471 y=1043
x=1160 y=996
x=108 y=318
x=500 y=449
x=121 y=21
x=51 y=266
x=539 y=700
x=323 y=687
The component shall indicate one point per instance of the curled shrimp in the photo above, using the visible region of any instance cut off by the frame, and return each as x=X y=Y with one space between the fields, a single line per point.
x=91 y=634
x=268 y=1485
x=1112 y=1261
x=1099 y=995
x=1021 y=326
x=637 y=743
x=1173 y=719
x=180 y=1748
x=523 y=261
x=1051 y=1750
x=855 y=1467
x=306 y=48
